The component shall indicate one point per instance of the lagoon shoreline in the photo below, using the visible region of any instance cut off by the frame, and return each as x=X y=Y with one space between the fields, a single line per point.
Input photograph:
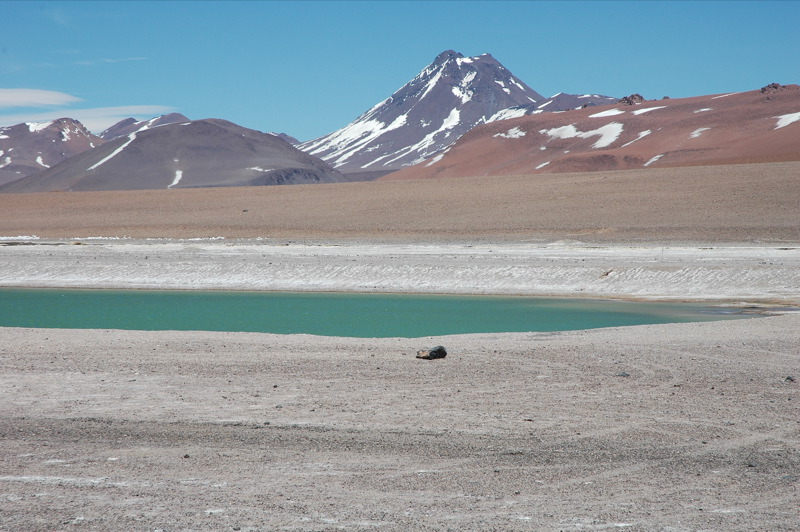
x=682 y=426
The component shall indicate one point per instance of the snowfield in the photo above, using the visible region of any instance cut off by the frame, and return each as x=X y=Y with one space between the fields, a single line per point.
x=607 y=133
x=785 y=120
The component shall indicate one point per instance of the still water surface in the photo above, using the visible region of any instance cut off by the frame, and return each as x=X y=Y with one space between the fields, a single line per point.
x=329 y=314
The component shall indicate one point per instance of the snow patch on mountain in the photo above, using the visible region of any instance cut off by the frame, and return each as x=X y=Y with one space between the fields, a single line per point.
x=511 y=112
x=654 y=159
x=647 y=110
x=513 y=133
x=642 y=134
x=610 y=112
x=503 y=86
x=435 y=159
x=785 y=120
x=463 y=90
x=607 y=133
x=452 y=120
x=116 y=152
x=177 y=179
x=697 y=132
x=35 y=127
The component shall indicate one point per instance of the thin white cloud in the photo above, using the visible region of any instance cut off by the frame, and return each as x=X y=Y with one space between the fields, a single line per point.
x=95 y=119
x=105 y=60
x=34 y=98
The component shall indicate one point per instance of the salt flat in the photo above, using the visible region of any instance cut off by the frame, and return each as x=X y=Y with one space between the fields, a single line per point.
x=725 y=273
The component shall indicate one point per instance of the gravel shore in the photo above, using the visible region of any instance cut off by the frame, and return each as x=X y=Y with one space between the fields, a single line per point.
x=667 y=427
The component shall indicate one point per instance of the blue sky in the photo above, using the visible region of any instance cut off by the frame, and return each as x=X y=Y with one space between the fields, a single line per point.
x=307 y=68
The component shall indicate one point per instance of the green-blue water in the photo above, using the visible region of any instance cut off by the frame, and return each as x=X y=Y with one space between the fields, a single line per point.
x=328 y=314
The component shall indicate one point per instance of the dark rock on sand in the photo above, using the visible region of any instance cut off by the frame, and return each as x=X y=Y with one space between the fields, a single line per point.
x=432 y=353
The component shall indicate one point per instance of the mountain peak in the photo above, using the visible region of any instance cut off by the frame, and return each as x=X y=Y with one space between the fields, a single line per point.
x=446 y=56
x=30 y=147
x=425 y=116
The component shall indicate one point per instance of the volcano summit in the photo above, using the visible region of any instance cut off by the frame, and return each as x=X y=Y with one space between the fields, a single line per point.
x=445 y=100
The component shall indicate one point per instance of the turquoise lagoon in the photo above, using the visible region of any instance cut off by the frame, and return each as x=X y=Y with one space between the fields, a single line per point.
x=331 y=314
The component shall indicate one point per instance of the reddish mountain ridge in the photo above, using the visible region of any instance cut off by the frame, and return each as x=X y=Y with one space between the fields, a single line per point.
x=748 y=127
x=32 y=147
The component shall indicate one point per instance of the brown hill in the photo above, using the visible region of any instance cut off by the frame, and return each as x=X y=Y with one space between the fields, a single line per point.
x=31 y=147
x=748 y=127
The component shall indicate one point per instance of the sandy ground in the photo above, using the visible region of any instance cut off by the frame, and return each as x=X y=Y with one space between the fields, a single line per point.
x=734 y=204
x=119 y=430
x=668 y=427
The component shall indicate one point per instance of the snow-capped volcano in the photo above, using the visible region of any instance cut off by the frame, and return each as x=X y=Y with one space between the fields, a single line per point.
x=448 y=98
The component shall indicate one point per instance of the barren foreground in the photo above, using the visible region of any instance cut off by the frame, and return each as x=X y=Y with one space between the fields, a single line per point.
x=669 y=427
x=678 y=427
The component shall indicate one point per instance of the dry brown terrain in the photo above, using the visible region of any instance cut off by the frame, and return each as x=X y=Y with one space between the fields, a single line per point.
x=749 y=127
x=666 y=427
x=739 y=203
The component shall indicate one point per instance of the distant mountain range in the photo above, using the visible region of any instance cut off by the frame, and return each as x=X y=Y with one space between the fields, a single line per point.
x=32 y=147
x=200 y=153
x=459 y=116
x=445 y=100
x=748 y=127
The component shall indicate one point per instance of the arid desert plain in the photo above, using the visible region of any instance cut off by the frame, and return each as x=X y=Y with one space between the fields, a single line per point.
x=660 y=427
